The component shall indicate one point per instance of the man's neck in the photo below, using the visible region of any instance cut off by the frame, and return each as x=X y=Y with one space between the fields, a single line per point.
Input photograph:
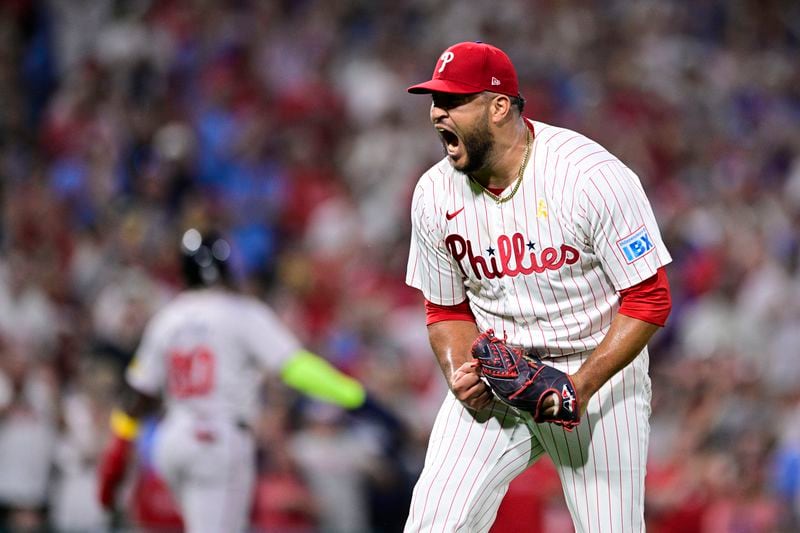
x=507 y=158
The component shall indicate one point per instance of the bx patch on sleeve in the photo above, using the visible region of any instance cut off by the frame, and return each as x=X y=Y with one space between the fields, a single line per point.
x=636 y=245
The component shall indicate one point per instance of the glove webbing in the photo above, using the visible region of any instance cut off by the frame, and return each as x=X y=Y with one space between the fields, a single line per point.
x=527 y=384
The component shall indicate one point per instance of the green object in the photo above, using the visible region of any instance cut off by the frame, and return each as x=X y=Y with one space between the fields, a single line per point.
x=314 y=376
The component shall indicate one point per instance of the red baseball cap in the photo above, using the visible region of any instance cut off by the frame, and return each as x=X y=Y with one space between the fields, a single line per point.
x=471 y=67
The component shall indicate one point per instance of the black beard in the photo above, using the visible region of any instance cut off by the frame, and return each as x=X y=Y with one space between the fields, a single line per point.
x=478 y=144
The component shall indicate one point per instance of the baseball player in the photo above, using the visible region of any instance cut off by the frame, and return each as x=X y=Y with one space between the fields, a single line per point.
x=205 y=354
x=541 y=235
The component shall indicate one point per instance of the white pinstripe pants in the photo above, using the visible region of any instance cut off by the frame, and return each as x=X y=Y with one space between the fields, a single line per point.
x=472 y=458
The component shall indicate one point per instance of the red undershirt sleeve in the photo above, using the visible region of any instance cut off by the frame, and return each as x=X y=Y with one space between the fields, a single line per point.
x=439 y=313
x=649 y=300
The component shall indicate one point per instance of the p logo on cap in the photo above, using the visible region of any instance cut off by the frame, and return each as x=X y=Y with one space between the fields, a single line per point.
x=445 y=58
x=471 y=67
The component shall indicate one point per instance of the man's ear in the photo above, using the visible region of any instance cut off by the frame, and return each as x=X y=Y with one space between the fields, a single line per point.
x=500 y=109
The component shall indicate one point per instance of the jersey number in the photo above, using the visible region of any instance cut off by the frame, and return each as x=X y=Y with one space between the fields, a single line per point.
x=191 y=372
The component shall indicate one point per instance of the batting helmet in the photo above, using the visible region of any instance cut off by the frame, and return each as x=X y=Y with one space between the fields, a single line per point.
x=205 y=258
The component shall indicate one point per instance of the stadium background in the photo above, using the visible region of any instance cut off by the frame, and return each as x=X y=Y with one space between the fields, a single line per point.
x=286 y=123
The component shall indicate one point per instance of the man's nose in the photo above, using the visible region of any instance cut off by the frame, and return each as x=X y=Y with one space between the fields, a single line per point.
x=437 y=113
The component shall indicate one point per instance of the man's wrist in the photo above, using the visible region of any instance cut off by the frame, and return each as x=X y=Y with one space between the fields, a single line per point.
x=584 y=387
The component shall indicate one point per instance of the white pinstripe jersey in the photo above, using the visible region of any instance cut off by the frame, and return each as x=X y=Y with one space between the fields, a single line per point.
x=547 y=265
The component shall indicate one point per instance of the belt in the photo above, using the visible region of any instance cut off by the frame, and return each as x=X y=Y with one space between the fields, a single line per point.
x=209 y=435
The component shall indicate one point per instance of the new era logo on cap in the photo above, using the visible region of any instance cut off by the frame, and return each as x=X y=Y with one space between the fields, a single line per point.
x=471 y=67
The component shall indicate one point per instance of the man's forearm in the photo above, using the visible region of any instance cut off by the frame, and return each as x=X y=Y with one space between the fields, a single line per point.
x=451 y=341
x=626 y=338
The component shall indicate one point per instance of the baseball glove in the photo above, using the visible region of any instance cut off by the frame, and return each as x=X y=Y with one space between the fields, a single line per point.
x=523 y=381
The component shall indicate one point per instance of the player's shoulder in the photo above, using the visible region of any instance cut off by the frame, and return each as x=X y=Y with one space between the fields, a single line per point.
x=249 y=307
x=170 y=308
x=436 y=183
x=203 y=301
x=437 y=177
x=224 y=298
x=573 y=148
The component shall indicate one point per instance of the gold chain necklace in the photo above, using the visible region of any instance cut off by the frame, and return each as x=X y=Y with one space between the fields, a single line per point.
x=500 y=199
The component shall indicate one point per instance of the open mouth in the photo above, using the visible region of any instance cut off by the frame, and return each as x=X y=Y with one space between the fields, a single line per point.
x=450 y=140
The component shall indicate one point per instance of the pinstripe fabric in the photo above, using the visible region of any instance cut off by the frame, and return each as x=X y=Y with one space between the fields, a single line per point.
x=545 y=268
x=602 y=463
x=472 y=458
x=574 y=194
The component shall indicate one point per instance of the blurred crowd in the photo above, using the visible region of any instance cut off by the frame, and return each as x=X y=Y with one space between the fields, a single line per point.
x=285 y=123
